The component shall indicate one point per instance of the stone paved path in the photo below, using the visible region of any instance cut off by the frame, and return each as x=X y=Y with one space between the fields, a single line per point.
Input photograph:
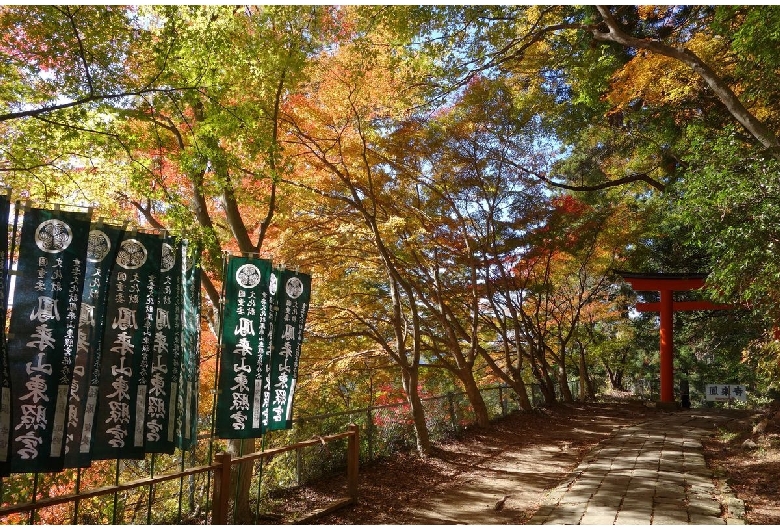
x=652 y=473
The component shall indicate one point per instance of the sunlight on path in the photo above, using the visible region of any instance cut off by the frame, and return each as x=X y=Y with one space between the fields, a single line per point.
x=652 y=473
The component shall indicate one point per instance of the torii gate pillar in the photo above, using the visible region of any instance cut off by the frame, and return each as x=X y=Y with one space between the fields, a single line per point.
x=666 y=284
x=667 y=346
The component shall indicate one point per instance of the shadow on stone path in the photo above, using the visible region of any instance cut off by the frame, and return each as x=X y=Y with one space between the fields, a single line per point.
x=650 y=473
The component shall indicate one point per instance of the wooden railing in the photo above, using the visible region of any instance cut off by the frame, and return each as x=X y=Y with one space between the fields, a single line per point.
x=225 y=461
x=221 y=469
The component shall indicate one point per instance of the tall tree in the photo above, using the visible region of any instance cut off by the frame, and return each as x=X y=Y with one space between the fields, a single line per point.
x=184 y=103
x=333 y=127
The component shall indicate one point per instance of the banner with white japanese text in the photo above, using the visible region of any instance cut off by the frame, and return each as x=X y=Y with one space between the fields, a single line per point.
x=43 y=333
x=166 y=354
x=244 y=347
x=127 y=349
x=5 y=388
x=101 y=254
x=293 y=291
x=187 y=370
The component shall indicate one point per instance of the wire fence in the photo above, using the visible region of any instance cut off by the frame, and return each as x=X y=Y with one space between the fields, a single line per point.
x=646 y=388
x=179 y=488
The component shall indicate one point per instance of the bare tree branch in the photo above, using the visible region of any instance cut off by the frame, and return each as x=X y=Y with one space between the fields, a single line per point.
x=82 y=53
x=8 y=116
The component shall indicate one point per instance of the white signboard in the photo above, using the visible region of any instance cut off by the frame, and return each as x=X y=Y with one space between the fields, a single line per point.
x=720 y=392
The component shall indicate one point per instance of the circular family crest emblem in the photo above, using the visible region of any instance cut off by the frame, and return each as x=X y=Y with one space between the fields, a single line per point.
x=53 y=236
x=294 y=287
x=273 y=284
x=248 y=276
x=98 y=246
x=131 y=255
x=168 y=257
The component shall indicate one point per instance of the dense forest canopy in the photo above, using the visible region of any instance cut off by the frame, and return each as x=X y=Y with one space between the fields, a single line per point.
x=461 y=181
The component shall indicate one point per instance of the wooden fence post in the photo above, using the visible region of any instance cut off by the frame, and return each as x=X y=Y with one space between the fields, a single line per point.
x=453 y=419
x=221 y=500
x=298 y=467
x=370 y=433
x=353 y=461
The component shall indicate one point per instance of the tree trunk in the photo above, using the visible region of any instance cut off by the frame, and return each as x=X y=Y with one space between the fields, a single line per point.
x=522 y=394
x=563 y=382
x=541 y=372
x=587 y=391
x=591 y=387
x=410 y=377
x=615 y=377
x=583 y=375
x=548 y=391
x=241 y=479
x=511 y=376
x=481 y=416
x=617 y=380
x=546 y=385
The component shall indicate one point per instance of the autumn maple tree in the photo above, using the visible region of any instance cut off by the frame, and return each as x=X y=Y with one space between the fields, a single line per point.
x=461 y=181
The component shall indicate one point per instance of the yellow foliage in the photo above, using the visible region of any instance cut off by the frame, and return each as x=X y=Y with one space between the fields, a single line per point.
x=658 y=79
x=653 y=78
x=394 y=224
x=652 y=12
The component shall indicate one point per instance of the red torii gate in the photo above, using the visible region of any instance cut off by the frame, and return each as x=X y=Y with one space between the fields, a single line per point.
x=666 y=284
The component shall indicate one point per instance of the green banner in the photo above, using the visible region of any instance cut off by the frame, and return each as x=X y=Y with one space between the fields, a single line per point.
x=43 y=332
x=166 y=354
x=244 y=345
x=293 y=292
x=189 y=350
x=127 y=349
x=101 y=253
x=5 y=388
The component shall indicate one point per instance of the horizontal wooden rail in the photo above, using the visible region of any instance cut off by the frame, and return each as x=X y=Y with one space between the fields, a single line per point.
x=221 y=468
x=267 y=453
x=226 y=461
x=103 y=490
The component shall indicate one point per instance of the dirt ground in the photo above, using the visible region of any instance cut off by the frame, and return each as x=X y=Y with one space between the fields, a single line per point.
x=546 y=444
x=748 y=455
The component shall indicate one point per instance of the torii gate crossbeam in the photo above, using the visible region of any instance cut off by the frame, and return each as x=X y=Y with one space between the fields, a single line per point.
x=666 y=284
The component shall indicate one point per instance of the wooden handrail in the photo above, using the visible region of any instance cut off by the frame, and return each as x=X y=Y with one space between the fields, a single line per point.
x=220 y=501
x=267 y=453
x=104 y=490
x=221 y=468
